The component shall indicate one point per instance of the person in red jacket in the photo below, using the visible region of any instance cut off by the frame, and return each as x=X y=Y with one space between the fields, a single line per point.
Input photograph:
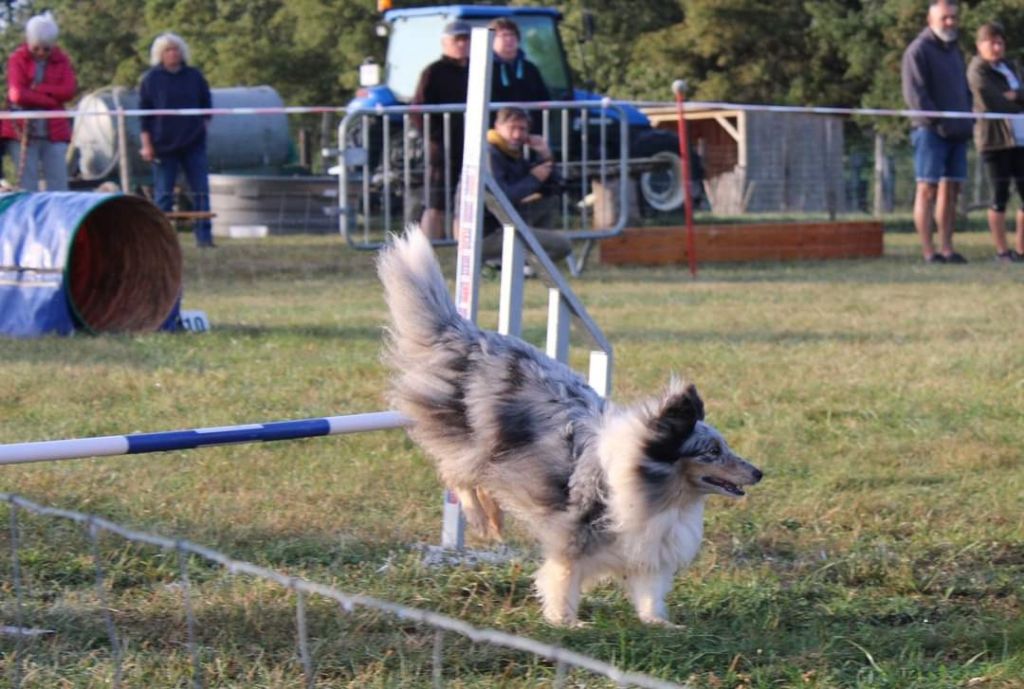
x=39 y=77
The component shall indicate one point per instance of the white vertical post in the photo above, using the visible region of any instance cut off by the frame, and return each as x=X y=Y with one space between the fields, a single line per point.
x=124 y=157
x=559 y=320
x=510 y=307
x=470 y=225
x=600 y=377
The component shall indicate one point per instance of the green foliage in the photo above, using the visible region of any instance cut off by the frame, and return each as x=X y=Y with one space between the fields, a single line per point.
x=805 y=52
x=309 y=50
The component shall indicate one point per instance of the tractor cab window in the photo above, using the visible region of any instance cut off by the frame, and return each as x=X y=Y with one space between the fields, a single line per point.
x=415 y=42
x=540 y=42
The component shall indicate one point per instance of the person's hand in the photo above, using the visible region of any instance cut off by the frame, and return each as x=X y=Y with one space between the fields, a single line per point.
x=539 y=145
x=147 y=152
x=542 y=170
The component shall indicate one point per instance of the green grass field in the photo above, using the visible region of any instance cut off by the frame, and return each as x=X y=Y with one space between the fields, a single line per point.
x=884 y=400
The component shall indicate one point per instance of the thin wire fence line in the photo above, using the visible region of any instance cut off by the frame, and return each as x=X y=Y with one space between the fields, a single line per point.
x=698 y=106
x=347 y=601
x=691 y=105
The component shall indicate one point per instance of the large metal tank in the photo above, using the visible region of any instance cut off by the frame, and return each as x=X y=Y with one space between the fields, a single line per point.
x=278 y=203
x=251 y=142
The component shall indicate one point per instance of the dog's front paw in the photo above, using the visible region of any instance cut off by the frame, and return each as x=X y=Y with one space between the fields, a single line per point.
x=565 y=621
x=657 y=621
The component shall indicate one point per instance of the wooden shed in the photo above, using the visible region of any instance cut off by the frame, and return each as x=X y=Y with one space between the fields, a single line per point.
x=764 y=161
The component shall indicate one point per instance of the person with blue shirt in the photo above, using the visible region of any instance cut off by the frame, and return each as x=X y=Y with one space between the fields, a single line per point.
x=176 y=142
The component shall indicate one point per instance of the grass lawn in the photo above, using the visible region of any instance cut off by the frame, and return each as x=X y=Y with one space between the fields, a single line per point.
x=884 y=399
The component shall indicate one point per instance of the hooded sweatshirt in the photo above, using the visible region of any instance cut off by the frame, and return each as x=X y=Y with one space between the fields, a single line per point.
x=934 y=78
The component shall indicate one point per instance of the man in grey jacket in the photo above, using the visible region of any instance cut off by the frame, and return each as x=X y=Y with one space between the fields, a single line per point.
x=934 y=79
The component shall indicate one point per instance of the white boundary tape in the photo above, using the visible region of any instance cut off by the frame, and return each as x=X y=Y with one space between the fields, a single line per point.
x=692 y=106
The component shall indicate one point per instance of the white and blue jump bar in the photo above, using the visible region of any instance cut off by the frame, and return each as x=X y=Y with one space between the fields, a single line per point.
x=139 y=443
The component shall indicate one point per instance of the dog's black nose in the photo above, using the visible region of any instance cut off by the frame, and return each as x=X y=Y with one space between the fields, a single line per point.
x=758 y=475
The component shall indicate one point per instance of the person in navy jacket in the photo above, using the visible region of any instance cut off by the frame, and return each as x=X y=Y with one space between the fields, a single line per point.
x=176 y=142
x=934 y=79
x=39 y=77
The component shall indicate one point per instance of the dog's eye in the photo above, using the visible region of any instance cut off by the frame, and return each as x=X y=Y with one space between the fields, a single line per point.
x=715 y=451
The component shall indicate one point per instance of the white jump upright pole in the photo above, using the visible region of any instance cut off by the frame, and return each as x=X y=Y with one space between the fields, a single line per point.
x=470 y=225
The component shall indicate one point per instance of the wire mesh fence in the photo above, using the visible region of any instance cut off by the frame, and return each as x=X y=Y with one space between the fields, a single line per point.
x=754 y=163
x=210 y=620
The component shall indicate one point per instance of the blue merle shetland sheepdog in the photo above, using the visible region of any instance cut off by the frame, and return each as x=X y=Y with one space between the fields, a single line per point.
x=607 y=491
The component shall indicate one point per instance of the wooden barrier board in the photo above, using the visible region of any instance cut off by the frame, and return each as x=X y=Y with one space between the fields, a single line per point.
x=650 y=246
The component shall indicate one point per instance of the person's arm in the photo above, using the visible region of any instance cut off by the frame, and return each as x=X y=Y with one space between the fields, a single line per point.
x=540 y=89
x=20 y=91
x=146 y=122
x=915 y=86
x=988 y=90
x=146 y=149
x=422 y=96
x=205 y=99
x=60 y=83
x=1018 y=95
x=517 y=186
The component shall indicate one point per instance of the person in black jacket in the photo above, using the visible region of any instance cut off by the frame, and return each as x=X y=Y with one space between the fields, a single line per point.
x=514 y=79
x=443 y=81
x=934 y=79
x=173 y=142
x=531 y=182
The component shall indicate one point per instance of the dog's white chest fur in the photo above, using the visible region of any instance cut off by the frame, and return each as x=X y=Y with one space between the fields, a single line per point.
x=666 y=540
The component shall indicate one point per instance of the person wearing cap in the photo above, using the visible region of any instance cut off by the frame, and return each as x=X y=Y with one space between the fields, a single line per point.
x=176 y=142
x=998 y=86
x=39 y=77
x=514 y=79
x=445 y=80
x=532 y=183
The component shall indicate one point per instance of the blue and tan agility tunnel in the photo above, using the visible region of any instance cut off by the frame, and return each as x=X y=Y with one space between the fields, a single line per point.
x=102 y=263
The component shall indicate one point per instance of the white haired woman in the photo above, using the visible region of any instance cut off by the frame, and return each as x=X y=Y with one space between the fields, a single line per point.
x=173 y=142
x=39 y=77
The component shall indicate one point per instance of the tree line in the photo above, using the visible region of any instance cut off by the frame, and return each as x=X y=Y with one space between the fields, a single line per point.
x=795 y=52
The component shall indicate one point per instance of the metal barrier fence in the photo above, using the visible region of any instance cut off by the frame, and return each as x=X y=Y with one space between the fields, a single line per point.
x=306 y=646
x=383 y=185
x=756 y=159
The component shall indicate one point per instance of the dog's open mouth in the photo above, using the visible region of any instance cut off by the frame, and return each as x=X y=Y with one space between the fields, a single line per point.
x=727 y=486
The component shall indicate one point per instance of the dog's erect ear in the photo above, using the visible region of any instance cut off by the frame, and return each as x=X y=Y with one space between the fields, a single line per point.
x=673 y=423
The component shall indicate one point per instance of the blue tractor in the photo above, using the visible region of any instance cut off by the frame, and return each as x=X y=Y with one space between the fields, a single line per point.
x=414 y=38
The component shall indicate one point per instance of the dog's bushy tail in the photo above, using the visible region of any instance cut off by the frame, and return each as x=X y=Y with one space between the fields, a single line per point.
x=415 y=291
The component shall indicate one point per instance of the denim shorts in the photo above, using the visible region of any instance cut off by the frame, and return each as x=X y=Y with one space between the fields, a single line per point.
x=936 y=158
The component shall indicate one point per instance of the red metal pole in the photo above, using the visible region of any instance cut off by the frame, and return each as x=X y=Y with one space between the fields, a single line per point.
x=679 y=87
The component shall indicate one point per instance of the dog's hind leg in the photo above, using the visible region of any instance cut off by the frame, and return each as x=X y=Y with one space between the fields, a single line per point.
x=647 y=590
x=492 y=510
x=476 y=514
x=558 y=584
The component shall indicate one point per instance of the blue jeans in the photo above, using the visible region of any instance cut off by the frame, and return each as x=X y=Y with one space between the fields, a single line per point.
x=165 y=174
x=48 y=155
x=937 y=158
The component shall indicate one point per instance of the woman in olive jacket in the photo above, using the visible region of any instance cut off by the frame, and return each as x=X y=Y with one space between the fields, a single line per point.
x=997 y=86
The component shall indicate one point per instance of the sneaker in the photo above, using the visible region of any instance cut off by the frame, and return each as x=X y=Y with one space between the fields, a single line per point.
x=954 y=258
x=1010 y=256
x=935 y=258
